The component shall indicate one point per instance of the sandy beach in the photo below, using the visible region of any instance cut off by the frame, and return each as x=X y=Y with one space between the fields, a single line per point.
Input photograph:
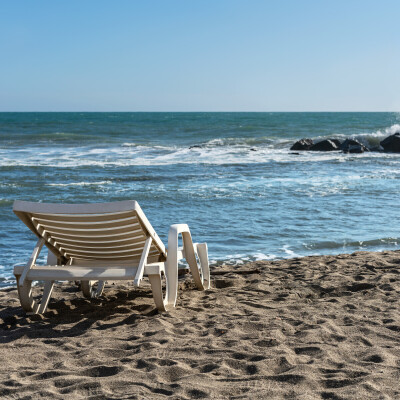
x=320 y=327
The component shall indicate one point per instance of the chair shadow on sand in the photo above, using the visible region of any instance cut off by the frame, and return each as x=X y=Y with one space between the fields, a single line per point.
x=77 y=314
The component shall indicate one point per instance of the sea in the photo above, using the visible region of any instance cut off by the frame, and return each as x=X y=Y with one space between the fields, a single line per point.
x=230 y=176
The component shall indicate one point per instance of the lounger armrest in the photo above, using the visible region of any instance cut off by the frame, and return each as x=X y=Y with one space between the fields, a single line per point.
x=173 y=234
x=190 y=251
x=176 y=229
x=174 y=254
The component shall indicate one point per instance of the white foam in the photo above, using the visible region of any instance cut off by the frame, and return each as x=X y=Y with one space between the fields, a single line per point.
x=373 y=139
x=238 y=259
x=261 y=256
x=81 y=183
x=290 y=253
x=216 y=151
x=393 y=129
x=184 y=156
x=129 y=145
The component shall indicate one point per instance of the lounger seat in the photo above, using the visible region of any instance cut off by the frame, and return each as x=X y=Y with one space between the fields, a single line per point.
x=105 y=241
x=85 y=273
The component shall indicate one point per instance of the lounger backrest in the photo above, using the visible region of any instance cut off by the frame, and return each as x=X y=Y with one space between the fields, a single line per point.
x=108 y=232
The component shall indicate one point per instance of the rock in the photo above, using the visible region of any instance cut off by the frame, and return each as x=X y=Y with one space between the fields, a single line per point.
x=336 y=141
x=376 y=149
x=325 y=145
x=355 y=149
x=353 y=146
x=302 y=144
x=392 y=143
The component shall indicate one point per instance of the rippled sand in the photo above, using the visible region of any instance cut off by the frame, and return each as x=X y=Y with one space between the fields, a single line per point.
x=307 y=328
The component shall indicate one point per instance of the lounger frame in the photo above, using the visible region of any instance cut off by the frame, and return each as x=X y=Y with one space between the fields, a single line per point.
x=104 y=241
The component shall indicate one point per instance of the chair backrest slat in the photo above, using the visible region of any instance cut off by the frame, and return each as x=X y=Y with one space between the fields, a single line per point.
x=112 y=232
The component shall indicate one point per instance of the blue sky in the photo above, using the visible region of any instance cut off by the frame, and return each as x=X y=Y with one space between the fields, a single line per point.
x=202 y=55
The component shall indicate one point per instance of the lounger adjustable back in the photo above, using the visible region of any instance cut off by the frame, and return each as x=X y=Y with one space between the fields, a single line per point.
x=112 y=233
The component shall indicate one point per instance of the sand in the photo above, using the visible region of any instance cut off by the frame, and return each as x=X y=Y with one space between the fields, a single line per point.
x=306 y=328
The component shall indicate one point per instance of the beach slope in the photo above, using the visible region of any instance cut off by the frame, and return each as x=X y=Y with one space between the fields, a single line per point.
x=321 y=327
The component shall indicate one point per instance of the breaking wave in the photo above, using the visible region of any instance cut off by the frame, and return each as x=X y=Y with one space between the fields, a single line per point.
x=229 y=150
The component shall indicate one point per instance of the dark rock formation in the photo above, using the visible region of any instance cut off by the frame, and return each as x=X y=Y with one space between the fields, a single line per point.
x=392 y=143
x=336 y=141
x=376 y=149
x=303 y=144
x=353 y=146
x=325 y=145
x=355 y=149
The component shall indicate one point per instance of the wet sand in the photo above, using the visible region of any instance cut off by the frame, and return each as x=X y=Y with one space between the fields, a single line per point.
x=323 y=327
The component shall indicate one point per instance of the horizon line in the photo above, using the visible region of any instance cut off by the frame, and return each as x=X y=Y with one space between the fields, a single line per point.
x=108 y=111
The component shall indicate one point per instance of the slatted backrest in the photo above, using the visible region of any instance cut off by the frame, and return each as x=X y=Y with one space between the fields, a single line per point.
x=111 y=233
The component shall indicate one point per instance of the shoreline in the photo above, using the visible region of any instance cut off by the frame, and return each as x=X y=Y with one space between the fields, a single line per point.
x=216 y=265
x=311 y=327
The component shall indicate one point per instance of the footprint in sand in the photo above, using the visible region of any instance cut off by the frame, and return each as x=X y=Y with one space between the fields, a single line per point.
x=102 y=371
x=308 y=351
x=375 y=358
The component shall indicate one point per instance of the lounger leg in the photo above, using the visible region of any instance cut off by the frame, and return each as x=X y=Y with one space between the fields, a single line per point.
x=25 y=296
x=171 y=269
x=48 y=288
x=205 y=268
x=100 y=288
x=156 y=287
x=190 y=256
x=89 y=291
x=28 y=303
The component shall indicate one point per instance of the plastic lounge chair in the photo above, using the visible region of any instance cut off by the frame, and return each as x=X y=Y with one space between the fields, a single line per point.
x=100 y=242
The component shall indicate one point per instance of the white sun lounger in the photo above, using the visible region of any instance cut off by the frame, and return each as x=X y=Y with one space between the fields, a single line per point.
x=100 y=242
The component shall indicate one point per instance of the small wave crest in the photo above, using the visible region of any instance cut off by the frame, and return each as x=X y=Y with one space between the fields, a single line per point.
x=101 y=183
x=238 y=259
x=227 y=150
x=368 y=139
x=360 y=245
x=264 y=141
x=373 y=139
x=393 y=129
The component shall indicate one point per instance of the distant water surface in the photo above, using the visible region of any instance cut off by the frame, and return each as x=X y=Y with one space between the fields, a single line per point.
x=230 y=176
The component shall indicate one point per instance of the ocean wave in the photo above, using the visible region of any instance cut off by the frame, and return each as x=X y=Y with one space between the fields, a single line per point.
x=237 y=259
x=369 y=139
x=288 y=252
x=101 y=183
x=393 y=129
x=38 y=139
x=5 y=202
x=274 y=141
x=355 y=245
x=228 y=150
x=141 y=146
x=215 y=156
x=7 y=279
x=245 y=142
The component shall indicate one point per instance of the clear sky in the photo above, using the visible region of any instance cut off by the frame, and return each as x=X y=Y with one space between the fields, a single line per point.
x=200 y=55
